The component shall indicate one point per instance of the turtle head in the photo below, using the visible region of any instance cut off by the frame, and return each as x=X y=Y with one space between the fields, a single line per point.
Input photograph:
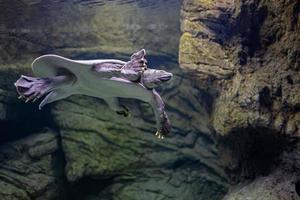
x=152 y=78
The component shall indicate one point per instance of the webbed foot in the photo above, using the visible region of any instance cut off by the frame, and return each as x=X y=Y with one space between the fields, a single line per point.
x=138 y=62
x=31 y=88
x=159 y=135
x=165 y=128
x=133 y=69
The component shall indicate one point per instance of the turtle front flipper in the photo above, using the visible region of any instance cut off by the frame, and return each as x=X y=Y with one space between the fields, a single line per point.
x=55 y=95
x=133 y=69
x=33 y=88
x=162 y=120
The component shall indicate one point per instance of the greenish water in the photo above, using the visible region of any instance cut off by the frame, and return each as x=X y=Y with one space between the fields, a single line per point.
x=85 y=30
x=105 y=156
x=95 y=26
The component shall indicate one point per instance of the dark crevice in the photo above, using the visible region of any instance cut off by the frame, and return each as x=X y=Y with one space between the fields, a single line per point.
x=295 y=16
x=278 y=91
x=253 y=152
x=89 y=186
x=297 y=188
x=59 y=164
x=289 y=80
x=265 y=99
x=247 y=26
x=83 y=187
x=23 y=120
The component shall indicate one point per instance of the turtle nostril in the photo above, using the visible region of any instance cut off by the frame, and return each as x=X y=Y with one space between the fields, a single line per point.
x=143 y=60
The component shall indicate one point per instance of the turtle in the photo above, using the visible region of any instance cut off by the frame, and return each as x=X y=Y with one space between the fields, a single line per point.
x=58 y=77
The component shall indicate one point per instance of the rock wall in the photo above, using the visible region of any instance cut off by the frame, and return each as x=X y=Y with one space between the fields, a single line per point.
x=124 y=154
x=245 y=54
x=31 y=168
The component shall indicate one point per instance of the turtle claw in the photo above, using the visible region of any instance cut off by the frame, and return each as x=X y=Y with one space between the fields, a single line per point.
x=159 y=135
x=136 y=66
x=34 y=99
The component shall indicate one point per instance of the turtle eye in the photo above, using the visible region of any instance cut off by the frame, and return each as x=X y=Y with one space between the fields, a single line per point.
x=143 y=61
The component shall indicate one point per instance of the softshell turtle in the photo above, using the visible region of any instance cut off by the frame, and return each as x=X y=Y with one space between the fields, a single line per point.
x=108 y=79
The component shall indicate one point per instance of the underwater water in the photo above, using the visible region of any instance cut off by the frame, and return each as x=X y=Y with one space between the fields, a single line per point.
x=84 y=149
x=232 y=102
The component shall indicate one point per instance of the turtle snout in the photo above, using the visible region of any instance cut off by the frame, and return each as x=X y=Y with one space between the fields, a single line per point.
x=165 y=77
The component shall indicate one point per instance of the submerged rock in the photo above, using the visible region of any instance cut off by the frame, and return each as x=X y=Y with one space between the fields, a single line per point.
x=31 y=168
x=255 y=87
x=205 y=27
x=127 y=161
x=280 y=184
x=263 y=86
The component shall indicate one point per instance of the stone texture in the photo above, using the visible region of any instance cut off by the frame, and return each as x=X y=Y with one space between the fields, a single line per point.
x=255 y=89
x=278 y=185
x=101 y=145
x=257 y=44
x=204 y=27
x=27 y=170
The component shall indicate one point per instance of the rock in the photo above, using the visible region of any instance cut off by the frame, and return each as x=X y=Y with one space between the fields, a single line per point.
x=27 y=169
x=254 y=88
x=125 y=156
x=31 y=163
x=256 y=80
x=278 y=185
x=204 y=27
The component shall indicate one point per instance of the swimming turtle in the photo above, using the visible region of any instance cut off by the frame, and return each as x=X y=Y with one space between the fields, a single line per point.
x=108 y=79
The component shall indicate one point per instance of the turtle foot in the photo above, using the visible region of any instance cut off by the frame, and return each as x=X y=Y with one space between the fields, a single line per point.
x=165 y=128
x=133 y=69
x=159 y=135
x=125 y=112
x=32 y=88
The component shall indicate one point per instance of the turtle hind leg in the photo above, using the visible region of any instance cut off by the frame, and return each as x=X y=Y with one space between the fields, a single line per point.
x=114 y=104
x=32 y=88
x=125 y=112
x=162 y=120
